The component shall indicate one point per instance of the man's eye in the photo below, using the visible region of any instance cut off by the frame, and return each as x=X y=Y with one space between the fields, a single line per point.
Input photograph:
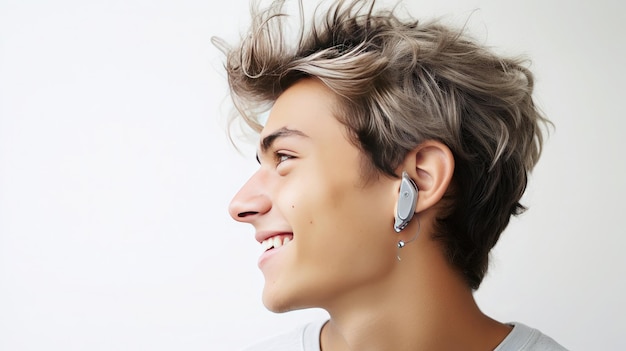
x=280 y=157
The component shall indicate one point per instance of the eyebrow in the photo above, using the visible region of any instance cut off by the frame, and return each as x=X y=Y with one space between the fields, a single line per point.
x=268 y=140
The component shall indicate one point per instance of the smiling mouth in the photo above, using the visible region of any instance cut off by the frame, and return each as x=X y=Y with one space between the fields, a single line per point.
x=276 y=241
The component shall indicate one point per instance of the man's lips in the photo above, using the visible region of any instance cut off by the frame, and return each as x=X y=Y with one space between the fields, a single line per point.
x=272 y=244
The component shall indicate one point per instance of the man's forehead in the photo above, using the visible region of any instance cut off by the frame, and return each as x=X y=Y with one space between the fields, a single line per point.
x=304 y=110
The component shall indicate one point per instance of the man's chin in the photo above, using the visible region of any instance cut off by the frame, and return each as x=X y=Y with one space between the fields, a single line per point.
x=279 y=302
x=276 y=305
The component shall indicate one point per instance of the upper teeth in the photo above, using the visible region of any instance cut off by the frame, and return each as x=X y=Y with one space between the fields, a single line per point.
x=275 y=242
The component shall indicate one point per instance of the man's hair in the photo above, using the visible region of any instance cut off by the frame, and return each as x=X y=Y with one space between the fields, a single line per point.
x=400 y=82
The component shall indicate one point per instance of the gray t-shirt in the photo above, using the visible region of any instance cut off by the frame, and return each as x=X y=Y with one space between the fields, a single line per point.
x=307 y=338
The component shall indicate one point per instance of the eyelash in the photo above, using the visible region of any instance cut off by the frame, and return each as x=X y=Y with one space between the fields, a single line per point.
x=280 y=157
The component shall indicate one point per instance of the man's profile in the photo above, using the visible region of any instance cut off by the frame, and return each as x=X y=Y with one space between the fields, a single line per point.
x=394 y=155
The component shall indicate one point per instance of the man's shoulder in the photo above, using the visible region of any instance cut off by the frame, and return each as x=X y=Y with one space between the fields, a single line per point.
x=303 y=338
x=525 y=338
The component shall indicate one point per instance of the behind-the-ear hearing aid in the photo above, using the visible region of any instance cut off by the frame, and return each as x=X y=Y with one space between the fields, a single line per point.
x=407 y=201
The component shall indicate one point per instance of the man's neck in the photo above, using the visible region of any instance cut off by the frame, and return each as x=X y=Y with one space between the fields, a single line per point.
x=423 y=304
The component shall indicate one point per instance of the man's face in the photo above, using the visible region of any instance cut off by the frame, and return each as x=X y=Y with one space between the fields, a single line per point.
x=329 y=234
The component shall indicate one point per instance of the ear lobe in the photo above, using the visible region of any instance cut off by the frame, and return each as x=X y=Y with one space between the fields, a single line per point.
x=431 y=166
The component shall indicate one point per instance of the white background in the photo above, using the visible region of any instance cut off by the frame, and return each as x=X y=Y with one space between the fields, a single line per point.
x=115 y=175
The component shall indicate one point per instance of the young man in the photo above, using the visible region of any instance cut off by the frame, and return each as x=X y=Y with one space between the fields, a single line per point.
x=393 y=157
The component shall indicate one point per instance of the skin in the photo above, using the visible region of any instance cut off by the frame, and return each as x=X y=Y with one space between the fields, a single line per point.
x=343 y=252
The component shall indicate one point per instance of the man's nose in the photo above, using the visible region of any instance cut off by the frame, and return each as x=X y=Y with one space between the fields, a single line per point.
x=252 y=200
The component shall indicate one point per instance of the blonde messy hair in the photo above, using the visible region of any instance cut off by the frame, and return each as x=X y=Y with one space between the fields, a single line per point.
x=400 y=82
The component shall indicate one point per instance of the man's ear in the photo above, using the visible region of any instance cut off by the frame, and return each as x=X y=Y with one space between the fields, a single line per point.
x=431 y=166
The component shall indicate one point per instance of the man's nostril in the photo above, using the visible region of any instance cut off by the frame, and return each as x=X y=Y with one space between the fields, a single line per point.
x=245 y=214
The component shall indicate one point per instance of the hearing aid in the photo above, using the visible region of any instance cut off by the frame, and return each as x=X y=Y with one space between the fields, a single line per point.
x=407 y=201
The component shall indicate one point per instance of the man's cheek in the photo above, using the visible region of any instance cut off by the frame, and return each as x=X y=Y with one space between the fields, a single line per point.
x=294 y=203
